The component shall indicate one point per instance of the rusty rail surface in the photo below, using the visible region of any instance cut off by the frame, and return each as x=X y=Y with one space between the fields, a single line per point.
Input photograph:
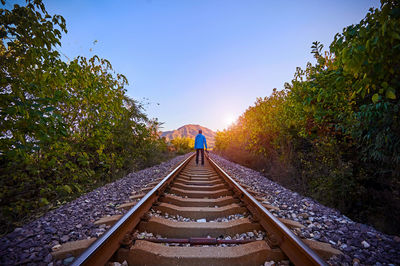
x=100 y=252
x=298 y=252
x=102 y=249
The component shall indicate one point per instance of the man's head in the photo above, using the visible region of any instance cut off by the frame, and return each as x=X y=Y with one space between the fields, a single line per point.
x=200 y=131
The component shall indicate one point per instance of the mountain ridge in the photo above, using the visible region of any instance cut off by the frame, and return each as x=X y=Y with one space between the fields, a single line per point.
x=190 y=131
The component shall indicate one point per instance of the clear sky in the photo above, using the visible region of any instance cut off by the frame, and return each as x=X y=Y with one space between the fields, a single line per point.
x=199 y=61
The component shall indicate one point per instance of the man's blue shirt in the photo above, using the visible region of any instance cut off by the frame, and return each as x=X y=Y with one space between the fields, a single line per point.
x=200 y=142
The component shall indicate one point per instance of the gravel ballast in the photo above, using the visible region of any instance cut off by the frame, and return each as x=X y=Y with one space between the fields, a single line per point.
x=361 y=244
x=32 y=244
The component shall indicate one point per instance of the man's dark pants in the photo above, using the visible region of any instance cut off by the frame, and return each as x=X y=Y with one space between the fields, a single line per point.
x=202 y=156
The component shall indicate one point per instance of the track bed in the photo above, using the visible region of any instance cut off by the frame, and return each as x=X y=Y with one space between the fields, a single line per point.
x=198 y=215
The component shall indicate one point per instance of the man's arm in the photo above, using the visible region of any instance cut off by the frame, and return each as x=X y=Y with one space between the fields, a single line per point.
x=205 y=142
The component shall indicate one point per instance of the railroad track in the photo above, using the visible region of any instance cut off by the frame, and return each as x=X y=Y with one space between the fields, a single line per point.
x=198 y=215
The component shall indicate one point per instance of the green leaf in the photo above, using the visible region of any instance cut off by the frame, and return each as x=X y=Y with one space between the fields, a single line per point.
x=44 y=201
x=375 y=98
x=67 y=189
x=77 y=187
x=390 y=94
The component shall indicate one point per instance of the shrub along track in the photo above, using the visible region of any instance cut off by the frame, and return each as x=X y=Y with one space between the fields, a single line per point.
x=197 y=215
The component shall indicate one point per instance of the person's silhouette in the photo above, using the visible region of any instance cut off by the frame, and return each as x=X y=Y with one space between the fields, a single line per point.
x=199 y=144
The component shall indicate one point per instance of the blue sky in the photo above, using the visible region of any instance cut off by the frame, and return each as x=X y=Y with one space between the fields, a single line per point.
x=200 y=61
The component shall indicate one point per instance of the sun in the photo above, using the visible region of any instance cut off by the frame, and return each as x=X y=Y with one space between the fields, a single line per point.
x=229 y=120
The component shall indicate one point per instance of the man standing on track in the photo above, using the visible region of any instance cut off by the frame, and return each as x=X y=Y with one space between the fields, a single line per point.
x=199 y=144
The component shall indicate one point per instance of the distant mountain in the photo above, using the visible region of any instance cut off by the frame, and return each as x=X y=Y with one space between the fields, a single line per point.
x=190 y=131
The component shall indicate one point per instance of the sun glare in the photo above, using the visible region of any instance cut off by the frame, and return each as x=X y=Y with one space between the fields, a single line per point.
x=229 y=120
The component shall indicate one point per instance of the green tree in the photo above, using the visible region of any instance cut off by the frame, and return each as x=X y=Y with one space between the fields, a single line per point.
x=66 y=127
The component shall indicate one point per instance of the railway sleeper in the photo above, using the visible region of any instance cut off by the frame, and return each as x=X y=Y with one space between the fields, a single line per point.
x=175 y=229
x=199 y=174
x=201 y=194
x=206 y=179
x=197 y=241
x=196 y=202
x=207 y=183
x=75 y=248
x=203 y=170
x=137 y=196
x=148 y=253
x=127 y=205
x=110 y=220
x=200 y=212
x=146 y=189
x=199 y=187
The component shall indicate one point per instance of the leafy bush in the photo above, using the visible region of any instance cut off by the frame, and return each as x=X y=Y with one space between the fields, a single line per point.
x=335 y=128
x=183 y=145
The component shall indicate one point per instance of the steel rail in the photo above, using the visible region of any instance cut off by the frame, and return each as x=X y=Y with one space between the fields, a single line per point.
x=296 y=250
x=104 y=247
